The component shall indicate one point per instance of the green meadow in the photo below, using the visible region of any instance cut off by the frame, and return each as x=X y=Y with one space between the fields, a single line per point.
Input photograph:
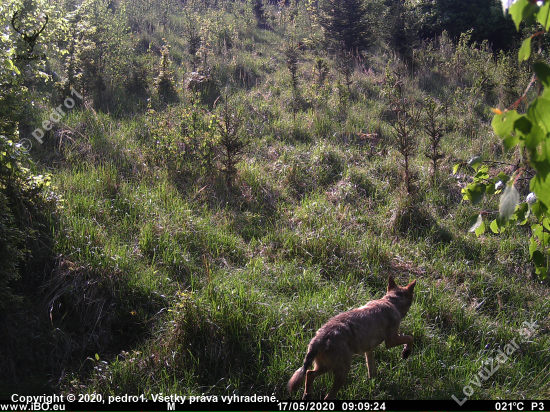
x=175 y=262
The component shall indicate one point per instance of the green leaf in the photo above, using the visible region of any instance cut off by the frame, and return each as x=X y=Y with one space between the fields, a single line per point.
x=475 y=162
x=509 y=142
x=543 y=15
x=530 y=13
x=516 y=11
x=8 y=64
x=532 y=140
x=455 y=168
x=480 y=230
x=499 y=225
x=523 y=125
x=525 y=50
x=508 y=202
x=538 y=209
x=475 y=222
x=540 y=186
x=522 y=213
x=533 y=246
x=482 y=173
x=538 y=258
x=477 y=225
x=503 y=124
x=523 y=10
x=96 y=356
x=502 y=177
x=546 y=223
x=539 y=111
x=474 y=193
x=542 y=70
x=494 y=226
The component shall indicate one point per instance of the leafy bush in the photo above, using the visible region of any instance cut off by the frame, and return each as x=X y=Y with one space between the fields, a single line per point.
x=21 y=208
x=529 y=132
x=12 y=240
x=24 y=206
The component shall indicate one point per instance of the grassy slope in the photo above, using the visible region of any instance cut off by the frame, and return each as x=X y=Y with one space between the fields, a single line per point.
x=203 y=289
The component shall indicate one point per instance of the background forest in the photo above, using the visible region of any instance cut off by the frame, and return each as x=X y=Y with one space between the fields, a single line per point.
x=190 y=189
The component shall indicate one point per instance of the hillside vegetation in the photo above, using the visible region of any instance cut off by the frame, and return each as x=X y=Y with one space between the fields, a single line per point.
x=234 y=175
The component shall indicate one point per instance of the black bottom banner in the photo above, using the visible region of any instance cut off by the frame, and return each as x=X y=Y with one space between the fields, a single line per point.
x=233 y=403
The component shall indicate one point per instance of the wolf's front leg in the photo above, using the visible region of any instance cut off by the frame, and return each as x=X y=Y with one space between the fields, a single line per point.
x=370 y=364
x=401 y=340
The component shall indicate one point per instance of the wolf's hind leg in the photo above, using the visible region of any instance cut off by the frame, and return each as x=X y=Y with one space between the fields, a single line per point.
x=371 y=364
x=339 y=380
x=310 y=377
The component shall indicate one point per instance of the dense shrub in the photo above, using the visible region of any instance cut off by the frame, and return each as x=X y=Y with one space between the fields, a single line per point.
x=22 y=209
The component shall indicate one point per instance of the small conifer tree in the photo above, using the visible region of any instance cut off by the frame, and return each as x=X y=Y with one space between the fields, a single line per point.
x=232 y=143
x=345 y=23
x=435 y=131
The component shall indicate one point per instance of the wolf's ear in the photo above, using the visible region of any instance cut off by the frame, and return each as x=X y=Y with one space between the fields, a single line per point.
x=391 y=283
x=410 y=286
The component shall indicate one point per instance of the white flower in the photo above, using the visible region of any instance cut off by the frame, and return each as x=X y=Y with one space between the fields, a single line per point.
x=499 y=185
x=531 y=198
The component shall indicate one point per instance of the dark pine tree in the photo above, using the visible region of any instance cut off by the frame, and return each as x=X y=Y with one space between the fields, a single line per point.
x=345 y=23
x=399 y=30
x=259 y=12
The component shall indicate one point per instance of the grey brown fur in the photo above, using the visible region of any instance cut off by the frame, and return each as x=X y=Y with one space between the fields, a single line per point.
x=359 y=330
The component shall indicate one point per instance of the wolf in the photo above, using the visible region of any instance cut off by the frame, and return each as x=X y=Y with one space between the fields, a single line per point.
x=358 y=330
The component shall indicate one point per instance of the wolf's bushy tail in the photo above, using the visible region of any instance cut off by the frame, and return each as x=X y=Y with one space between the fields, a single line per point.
x=298 y=378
